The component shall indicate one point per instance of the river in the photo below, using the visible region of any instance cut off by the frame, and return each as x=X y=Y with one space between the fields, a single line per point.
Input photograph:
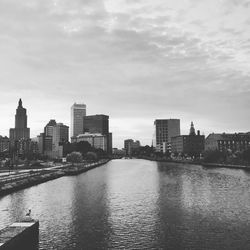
x=139 y=204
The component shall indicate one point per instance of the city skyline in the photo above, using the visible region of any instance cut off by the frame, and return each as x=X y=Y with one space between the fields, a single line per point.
x=135 y=61
x=123 y=139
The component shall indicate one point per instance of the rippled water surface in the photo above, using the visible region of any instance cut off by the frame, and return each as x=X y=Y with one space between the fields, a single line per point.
x=138 y=204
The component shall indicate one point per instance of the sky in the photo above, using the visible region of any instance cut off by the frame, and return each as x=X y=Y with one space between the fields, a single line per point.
x=134 y=60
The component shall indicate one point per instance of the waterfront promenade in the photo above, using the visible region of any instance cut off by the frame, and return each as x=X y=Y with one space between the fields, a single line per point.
x=20 y=179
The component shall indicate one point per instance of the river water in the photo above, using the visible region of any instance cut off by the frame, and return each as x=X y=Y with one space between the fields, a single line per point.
x=139 y=204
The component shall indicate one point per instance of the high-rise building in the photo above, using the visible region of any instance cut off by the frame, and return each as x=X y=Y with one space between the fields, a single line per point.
x=48 y=129
x=98 y=124
x=60 y=133
x=164 y=130
x=21 y=131
x=50 y=142
x=78 y=111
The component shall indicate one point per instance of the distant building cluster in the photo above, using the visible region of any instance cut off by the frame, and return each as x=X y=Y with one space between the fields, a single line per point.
x=168 y=139
x=233 y=142
x=191 y=145
x=93 y=128
x=50 y=143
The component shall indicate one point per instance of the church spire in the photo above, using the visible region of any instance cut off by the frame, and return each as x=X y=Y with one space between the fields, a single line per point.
x=192 y=130
x=20 y=104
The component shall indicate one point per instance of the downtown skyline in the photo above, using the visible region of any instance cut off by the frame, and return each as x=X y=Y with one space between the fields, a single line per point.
x=135 y=61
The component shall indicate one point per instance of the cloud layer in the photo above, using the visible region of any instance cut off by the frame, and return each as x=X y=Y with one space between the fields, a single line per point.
x=133 y=60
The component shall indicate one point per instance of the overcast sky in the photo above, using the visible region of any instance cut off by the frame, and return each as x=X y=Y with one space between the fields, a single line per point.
x=134 y=60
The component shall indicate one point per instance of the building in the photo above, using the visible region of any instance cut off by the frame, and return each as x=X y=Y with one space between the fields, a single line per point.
x=165 y=129
x=96 y=140
x=48 y=129
x=225 y=141
x=78 y=112
x=60 y=133
x=131 y=146
x=21 y=131
x=50 y=143
x=40 y=143
x=190 y=145
x=4 y=144
x=98 y=124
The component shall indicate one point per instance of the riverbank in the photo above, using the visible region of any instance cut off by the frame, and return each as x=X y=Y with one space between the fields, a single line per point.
x=21 y=181
x=198 y=162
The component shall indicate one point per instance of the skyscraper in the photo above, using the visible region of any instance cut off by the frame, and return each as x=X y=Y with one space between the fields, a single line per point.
x=21 y=131
x=164 y=130
x=98 y=124
x=78 y=111
x=55 y=134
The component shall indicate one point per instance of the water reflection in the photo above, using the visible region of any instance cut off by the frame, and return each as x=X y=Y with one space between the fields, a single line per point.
x=210 y=211
x=132 y=197
x=137 y=204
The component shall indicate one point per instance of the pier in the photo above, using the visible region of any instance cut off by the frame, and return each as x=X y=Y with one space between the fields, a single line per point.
x=20 y=235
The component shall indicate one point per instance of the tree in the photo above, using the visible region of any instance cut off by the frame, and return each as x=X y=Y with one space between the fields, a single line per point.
x=91 y=156
x=100 y=153
x=214 y=156
x=74 y=157
x=246 y=155
x=83 y=147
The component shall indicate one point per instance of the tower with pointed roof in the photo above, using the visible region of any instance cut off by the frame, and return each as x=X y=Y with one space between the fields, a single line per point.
x=21 y=131
x=192 y=130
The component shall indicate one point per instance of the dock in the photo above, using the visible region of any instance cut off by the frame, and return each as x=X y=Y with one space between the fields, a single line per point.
x=20 y=235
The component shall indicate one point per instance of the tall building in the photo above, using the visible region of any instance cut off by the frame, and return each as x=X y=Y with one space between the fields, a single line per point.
x=191 y=145
x=21 y=131
x=164 y=130
x=48 y=129
x=78 y=111
x=60 y=133
x=98 y=124
x=50 y=142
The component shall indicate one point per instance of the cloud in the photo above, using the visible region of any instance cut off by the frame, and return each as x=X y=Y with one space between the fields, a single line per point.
x=129 y=59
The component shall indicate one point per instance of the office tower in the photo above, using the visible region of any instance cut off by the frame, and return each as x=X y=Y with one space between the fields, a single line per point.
x=20 y=131
x=55 y=134
x=48 y=129
x=98 y=124
x=164 y=130
x=78 y=111
x=60 y=133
